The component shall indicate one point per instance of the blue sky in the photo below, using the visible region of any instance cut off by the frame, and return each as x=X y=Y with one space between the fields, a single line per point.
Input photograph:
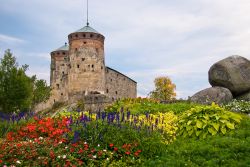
x=144 y=39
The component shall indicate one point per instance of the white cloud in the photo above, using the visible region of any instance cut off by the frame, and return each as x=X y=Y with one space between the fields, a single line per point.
x=10 y=40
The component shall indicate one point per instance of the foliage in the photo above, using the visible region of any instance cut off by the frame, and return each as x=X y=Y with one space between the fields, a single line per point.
x=80 y=105
x=19 y=92
x=202 y=121
x=232 y=149
x=41 y=92
x=145 y=105
x=238 y=106
x=164 y=89
x=15 y=85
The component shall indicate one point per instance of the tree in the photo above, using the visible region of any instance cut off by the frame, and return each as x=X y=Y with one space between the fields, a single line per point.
x=41 y=91
x=19 y=92
x=15 y=85
x=164 y=89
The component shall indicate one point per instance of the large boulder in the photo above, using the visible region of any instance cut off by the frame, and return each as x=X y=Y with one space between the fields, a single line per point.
x=232 y=73
x=245 y=96
x=218 y=95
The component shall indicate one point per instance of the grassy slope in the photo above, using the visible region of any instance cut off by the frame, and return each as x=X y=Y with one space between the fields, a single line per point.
x=232 y=149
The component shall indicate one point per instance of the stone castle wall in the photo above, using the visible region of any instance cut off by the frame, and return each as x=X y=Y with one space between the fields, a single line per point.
x=119 y=86
x=86 y=72
x=59 y=75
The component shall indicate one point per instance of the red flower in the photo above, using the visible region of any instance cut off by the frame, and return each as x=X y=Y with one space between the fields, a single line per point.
x=127 y=152
x=115 y=149
x=136 y=154
x=111 y=145
x=52 y=154
x=138 y=151
x=80 y=151
x=1 y=161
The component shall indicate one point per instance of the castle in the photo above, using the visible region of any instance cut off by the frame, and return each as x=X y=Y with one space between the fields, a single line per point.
x=78 y=69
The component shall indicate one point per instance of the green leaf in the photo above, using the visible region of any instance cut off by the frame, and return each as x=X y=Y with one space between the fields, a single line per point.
x=216 y=126
x=189 y=128
x=189 y=122
x=230 y=125
x=199 y=124
x=190 y=132
x=212 y=131
x=204 y=135
x=223 y=130
x=198 y=132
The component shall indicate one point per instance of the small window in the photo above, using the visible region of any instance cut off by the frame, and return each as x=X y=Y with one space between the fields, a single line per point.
x=101 y=67
x=92 y=65
x=76 y=35
x=75 y=49
x=61 y=94
x=107 y=91
x=58 y=53
x=78 y=66
x=84 y=35
x=63 y=53
x=57 y=86
x=83 y=59
x=63 y=72
x=111 y=80
x=116 y=92
x=91 y=35
x=85 y=42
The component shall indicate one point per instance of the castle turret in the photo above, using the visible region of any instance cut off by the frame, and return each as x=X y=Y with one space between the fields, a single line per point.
x=86 y=63
x=59 y=72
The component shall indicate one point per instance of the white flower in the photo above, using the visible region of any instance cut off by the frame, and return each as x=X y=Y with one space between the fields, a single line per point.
x=18 y=162
x=94 y=156
x=60 y=142
x=41 y=138
x=66 y=147
x=64 y=156
x=98 y=145
x=107 y=159
x=85 y=142
x=59 y=156
x=30 y=141
x=104 y=150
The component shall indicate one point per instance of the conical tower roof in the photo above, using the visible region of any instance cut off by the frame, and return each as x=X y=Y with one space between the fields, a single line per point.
x=87 y=29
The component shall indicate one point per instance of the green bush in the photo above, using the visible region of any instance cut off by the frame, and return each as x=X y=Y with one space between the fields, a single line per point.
x=202 y=121
x=238 y=106
x=140 y=106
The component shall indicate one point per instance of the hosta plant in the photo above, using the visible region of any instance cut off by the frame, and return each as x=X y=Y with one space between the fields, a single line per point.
x=202 y=121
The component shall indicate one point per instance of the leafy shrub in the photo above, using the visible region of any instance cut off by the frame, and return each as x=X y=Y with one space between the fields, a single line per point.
x=231 y=149
x=202 y=121
x=144 y=105
x=238 y=106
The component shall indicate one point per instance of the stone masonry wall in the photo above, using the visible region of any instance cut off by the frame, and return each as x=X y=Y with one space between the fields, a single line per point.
x=119 y=86
x=86 y=72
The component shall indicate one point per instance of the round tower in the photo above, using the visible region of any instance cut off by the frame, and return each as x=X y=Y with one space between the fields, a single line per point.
x=59 y=72
x=86 y=63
